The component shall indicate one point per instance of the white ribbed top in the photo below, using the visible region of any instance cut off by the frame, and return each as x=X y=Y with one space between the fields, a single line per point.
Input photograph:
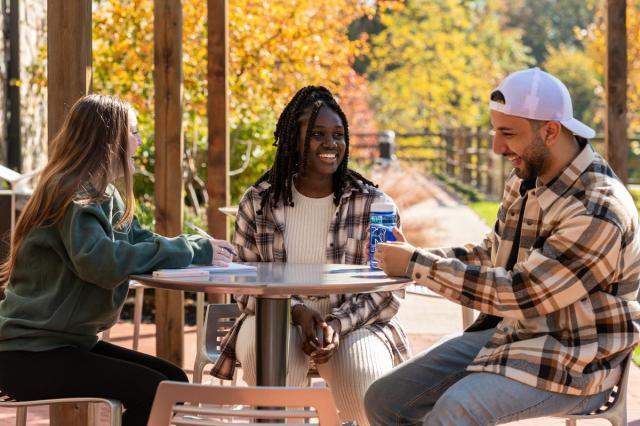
x=306 y=228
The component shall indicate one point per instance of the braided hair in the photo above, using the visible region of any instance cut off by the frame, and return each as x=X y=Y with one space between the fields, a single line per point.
x=309 y=100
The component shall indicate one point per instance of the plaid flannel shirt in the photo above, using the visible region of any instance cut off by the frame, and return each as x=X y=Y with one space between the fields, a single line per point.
x=568 y=305
x=260 y=238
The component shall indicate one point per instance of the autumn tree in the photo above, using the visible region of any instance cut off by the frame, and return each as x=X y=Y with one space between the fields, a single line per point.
x=575 y=68
x=548 y=24
x=436 y=61
x=275 y=48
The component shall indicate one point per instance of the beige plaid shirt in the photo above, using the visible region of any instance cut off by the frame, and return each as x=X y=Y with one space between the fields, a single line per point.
x=568 y=305
x=260 y=238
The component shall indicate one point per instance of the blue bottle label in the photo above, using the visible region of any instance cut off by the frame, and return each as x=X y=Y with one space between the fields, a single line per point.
x=381 y=230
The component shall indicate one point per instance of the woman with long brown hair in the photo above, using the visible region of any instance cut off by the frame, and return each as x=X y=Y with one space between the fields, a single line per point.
x=73 y=248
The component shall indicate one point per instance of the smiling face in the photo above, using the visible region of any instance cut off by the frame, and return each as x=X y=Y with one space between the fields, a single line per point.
x=520 y=141
x=326 y=146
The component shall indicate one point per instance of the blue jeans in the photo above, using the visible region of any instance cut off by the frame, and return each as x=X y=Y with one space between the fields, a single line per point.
x=433 y=388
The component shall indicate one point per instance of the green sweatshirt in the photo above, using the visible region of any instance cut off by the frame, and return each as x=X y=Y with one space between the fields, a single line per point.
x=70 y=279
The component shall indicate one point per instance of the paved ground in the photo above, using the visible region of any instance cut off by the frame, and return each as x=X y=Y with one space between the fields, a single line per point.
x=443 y=221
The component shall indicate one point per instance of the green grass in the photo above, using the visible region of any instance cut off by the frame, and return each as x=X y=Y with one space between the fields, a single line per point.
x=636 y=356
x=487 y=210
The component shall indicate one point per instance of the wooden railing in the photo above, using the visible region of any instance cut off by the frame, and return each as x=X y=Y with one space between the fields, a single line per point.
x=464 y=157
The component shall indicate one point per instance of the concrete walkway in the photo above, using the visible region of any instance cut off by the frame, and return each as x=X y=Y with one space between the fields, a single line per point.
x=430 y=217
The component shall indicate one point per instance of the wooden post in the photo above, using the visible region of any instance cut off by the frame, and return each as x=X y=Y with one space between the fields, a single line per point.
x=443 y=151
x=450 y=152
x=462 y=157
x=68 y=58
x=168 y=170
x=490 y=168
x=69 y=78
x=69 y=414
x=218 y=113
x=616 y=143
x=14 y=152
x=218 y=118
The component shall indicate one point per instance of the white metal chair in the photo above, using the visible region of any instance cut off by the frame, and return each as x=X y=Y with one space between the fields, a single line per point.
x=615 y=409
x=137 y=315
x=211 y=405
x=104 y=411
x=218 y=320
x=18 y=184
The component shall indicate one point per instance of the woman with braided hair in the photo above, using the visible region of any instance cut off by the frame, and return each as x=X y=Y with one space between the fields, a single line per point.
x=309 y=207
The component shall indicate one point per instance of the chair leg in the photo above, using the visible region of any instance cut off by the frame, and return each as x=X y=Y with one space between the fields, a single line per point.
x=618 y=420
x=234 y=380
x=21 y=416
x=137 y=316
x=199 y=319
x=106 y=335
x=116 y=415
x=198 y=369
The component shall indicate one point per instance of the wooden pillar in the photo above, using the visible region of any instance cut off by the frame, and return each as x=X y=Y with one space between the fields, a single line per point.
x=14 y=152
x=218 y=119
x=462 y=157
x=443 y=152
x=68 y=58
x=449 y=139
x=168 y=169
x=69 y=78
x=616 y=143
x=70 y=414
x=488 y=162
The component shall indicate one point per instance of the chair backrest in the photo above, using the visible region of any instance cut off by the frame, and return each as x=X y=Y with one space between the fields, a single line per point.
x=615 y=409
x=101 y=410
x=219 y=319
x=176 y=402
x=619 y=392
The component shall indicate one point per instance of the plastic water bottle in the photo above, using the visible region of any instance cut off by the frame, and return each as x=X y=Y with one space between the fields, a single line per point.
x=382 y=220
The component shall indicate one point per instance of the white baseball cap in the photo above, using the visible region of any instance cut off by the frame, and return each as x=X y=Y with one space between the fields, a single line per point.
x=537 y=95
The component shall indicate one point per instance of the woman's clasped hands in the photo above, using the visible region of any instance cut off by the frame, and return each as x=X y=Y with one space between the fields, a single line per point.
x=320 y=338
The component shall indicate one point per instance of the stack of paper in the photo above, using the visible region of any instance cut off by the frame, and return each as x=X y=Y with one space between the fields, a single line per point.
x=202 y=271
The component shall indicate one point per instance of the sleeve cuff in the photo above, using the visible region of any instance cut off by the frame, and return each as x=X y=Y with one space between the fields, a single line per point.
x=422 y=258
x=345 y=322
x=295 y=301
x=202 y=251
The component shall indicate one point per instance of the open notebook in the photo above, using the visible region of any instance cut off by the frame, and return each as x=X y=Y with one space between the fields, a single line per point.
x=202 y=271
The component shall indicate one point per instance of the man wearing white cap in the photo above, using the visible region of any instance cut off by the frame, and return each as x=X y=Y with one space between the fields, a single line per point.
x=556 y=281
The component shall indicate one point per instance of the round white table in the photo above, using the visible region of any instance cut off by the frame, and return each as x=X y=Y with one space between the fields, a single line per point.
x=273 y=284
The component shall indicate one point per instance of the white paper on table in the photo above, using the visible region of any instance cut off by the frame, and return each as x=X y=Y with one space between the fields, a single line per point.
x=203 y=270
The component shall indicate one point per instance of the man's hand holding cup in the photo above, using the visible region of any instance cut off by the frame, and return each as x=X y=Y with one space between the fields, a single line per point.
x=393 y=257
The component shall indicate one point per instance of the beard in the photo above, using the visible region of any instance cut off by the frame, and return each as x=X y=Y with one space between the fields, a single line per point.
x=533 y=159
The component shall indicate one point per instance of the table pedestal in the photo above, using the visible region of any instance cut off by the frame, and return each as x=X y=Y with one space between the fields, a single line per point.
x=273 y=316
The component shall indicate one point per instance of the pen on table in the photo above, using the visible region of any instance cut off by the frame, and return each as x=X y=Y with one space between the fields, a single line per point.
x=204 y=233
